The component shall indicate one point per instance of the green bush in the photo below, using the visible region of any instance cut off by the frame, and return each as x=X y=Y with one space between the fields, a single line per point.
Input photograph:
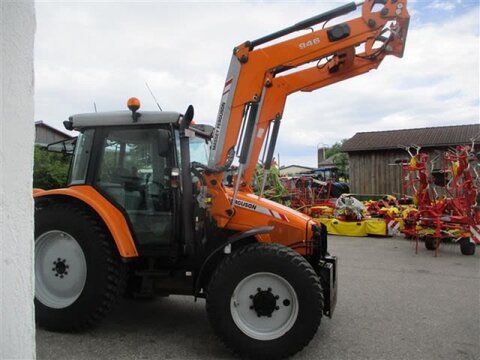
x=50 y=169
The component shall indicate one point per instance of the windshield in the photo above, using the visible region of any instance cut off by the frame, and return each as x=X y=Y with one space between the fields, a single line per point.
x=199 y=150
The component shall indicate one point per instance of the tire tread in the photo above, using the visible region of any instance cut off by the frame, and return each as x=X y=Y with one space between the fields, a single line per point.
x=288 y=255
x=115 y=277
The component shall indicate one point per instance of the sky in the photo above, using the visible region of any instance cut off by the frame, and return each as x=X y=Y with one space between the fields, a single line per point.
x=105 y=52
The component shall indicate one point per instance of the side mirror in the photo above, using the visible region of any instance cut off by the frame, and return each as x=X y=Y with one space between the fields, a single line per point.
x=163 y=142
x=63 y=146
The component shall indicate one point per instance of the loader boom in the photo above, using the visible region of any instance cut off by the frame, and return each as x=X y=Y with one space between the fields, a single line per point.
x=258 y=83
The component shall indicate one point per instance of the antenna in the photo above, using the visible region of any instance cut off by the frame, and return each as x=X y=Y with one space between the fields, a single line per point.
x=154 y=98
x=95 y=106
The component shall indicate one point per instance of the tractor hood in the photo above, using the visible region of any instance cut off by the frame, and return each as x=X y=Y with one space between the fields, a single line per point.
x=289 y=226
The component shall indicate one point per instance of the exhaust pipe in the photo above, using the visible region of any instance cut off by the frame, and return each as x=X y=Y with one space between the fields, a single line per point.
x=187 y=194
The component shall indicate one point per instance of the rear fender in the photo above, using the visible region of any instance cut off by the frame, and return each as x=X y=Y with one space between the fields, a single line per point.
x=110 y=215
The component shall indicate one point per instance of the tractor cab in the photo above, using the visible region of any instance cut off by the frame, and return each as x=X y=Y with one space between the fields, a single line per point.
x=134 y=162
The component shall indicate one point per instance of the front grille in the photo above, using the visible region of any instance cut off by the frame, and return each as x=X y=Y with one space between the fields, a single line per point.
x=320 y=238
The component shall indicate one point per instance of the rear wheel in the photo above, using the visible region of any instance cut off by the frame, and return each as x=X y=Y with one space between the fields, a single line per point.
x=265 y=301
x=467 y=247
x=78 y=273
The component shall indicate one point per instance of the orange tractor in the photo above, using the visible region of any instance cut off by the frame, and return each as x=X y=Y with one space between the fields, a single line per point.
x=147 y=208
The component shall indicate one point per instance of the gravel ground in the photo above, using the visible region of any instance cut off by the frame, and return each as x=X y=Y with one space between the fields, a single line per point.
x=392 y=304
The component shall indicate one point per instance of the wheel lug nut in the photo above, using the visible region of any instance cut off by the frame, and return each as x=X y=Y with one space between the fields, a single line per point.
x=54 y=263
x=277 y=307
x=277 y=297
x=269 y=315
x=251 y=307
x=53 y=269
x=66 y=272
x=251 y=296
x=67 y=266
x=61 y=276
x=259 y=289
x=58 y=259
x=269 y=289
x=56 y=274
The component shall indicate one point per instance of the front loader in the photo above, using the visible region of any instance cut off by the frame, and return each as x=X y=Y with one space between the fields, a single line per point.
x=147 y=210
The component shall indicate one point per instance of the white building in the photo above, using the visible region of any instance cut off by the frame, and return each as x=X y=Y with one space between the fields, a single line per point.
x=17 y=326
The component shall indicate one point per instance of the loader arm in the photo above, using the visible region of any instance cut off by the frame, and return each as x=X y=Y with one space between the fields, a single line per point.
x=306 y=80
x=260 y=79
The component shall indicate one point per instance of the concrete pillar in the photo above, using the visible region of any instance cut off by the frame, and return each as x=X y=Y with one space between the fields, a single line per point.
x=17 y=325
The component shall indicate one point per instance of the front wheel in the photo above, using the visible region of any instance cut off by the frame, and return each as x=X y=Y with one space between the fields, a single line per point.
x=265 y=301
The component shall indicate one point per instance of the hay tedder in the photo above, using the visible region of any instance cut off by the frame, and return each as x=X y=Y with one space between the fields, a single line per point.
x=312 y=195
x=445 y=199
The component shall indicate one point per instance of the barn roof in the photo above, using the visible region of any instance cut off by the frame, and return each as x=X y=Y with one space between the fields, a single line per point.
x=40 y=123
x=296 y=166
x=424 y=137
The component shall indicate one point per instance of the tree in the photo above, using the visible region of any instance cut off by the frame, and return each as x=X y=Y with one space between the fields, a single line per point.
x=334 y=149
x=50 y=169
x=340 y=159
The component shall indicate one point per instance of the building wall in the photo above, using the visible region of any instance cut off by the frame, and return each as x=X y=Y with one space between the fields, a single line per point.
x=45 y=136
x=372 y=172
x=17 y=330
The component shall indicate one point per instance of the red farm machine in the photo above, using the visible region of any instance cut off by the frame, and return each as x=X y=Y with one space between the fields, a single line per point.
x=446 y=199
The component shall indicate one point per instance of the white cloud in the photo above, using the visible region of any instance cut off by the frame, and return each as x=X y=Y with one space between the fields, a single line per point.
x=443 y=5
x=436 y=83
x=105 y=51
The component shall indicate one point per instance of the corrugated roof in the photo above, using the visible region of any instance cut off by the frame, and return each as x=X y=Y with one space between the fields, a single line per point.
x=424 y=137
x=298 y=166
x=328 y=161
x=42 y=123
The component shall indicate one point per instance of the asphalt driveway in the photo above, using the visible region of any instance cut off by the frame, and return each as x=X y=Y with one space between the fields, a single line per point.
x=393 y=304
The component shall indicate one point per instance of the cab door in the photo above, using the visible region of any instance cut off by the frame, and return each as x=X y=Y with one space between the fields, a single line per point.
x=133 y=172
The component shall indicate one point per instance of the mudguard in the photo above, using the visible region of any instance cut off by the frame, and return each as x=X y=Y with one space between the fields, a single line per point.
x=226 y=248
x=111 y=216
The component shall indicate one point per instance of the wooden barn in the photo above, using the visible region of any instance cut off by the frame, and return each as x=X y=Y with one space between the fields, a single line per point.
x=372 y=155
